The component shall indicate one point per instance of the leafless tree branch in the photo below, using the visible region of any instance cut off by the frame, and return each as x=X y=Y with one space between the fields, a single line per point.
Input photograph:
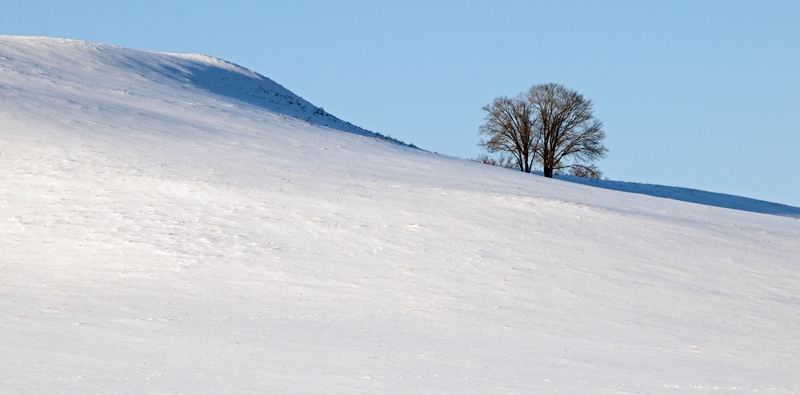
x=548 y=124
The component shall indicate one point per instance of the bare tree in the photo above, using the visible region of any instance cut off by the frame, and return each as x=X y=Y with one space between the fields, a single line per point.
x=509 y=130
x=585 y=171
x=549 y=124
x=568 y=133
x=500 y=160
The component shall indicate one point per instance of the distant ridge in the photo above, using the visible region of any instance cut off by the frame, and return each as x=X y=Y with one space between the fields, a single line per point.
x=203 y=72
x=692 y=196
x=229 y=79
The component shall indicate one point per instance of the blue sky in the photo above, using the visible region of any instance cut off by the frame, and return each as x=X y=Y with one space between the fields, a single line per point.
x=702 y=95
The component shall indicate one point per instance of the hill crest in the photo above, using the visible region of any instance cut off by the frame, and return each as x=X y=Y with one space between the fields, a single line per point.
x=177 y=70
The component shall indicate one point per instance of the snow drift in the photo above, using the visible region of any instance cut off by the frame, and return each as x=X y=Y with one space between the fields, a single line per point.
x=176 y=223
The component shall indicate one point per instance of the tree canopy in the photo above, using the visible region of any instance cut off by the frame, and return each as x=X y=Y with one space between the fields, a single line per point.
x=549 y=125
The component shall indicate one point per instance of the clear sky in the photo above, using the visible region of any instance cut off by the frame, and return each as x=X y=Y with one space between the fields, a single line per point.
x=702 y=95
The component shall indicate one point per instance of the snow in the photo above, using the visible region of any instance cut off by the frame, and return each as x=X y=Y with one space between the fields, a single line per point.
x=163 y=228
x=692 y=196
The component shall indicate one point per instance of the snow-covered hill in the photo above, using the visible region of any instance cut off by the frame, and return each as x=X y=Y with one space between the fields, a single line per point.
x=106 y=76
x=691 y=196
x=168 y=225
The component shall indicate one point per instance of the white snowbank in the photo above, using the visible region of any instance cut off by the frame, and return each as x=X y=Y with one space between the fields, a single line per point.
x=161 y=230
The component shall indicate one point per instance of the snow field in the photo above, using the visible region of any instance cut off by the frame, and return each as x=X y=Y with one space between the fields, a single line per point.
x=169 y=237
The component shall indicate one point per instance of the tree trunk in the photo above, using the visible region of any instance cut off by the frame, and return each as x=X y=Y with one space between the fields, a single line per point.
x=548 y=172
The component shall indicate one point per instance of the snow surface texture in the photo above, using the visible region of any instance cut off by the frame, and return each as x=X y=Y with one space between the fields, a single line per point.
x=164 y=236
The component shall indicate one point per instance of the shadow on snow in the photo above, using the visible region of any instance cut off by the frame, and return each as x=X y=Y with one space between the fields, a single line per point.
x=691 y=196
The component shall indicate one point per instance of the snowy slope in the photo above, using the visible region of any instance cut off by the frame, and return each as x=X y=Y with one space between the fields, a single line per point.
x=118 y=74
x=160 y=234
x=692 y=196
